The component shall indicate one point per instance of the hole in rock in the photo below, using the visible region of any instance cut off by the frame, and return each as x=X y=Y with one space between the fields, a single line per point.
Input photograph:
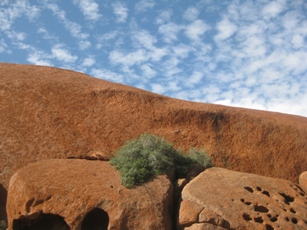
x=287 y=219
x=288 y=199
x=247 y=217
x=273 y=219
x=269 y=215
x=292 y=210
x=268 y=227
x=248 y=203
x=96 y=219
x=242 y=200
x=258 y=219
x=259 y=189
x=259 y=208
x=294 y=220
x=43 y=221
x=249 y=189
x=266 y=193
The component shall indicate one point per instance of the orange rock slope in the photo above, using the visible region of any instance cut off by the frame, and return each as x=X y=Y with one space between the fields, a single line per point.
x=54 y=113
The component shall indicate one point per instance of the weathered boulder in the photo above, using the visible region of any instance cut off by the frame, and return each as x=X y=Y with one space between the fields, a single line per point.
x=223 y=199
x=303 y=180
x=81 y=194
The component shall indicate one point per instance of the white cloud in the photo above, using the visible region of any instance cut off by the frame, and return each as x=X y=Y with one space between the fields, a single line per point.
x=272 y=9
x=253 y=46
x=74 y=28
x=84 y=45
x=90 y=9
x=225 y=29
x=195 y=78
x=170 y=67
x=169 y=31
x=4 y=2
x=291 y=20
x=191 y=14
x=108 y=36
x=161 y=88
x=107 y=75
x=47 y=35
x=164 y=17
x=156 y=54
x=196 y=29
x=15 y=10
x=121 y=11
x=20 y=36
x=182 y=50
x=106 y=39
x=158 y=88
x=148 y=71
x=144 y=5
x=32 y=12
x=297 y=40
x=88 y=62
x=144 y=39
x=39 y=58
x=62 y=54
x=137 y=57
x=3 y=46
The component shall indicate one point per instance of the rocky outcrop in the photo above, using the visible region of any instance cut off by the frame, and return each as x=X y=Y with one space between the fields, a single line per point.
x=49 y=113
x=223 y=199
x=81 y=194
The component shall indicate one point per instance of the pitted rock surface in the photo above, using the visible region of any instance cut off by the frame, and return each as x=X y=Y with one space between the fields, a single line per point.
x=72 y=189
x=223 y=199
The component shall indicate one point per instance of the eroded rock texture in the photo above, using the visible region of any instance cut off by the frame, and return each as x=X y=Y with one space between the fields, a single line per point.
x=81 y=194
x=223 y=199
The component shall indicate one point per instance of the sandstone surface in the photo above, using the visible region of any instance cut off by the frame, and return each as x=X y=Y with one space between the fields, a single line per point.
x=48 y=113
x=303 y=180
x=81 y=194
x=223 y=199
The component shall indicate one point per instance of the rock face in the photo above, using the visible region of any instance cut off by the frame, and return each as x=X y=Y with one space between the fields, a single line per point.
x=48 y=113
x=223 y=199
x=81 y=194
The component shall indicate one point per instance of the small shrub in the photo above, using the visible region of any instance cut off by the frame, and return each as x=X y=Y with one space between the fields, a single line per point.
x=149 y=155
x=199 y=157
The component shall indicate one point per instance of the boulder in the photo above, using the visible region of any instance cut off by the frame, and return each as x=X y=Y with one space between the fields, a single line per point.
x=81 y=194
x=223 y=199
x=303 y=180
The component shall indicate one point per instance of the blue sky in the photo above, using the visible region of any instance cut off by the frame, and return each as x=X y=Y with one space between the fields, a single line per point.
x=246 y=53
